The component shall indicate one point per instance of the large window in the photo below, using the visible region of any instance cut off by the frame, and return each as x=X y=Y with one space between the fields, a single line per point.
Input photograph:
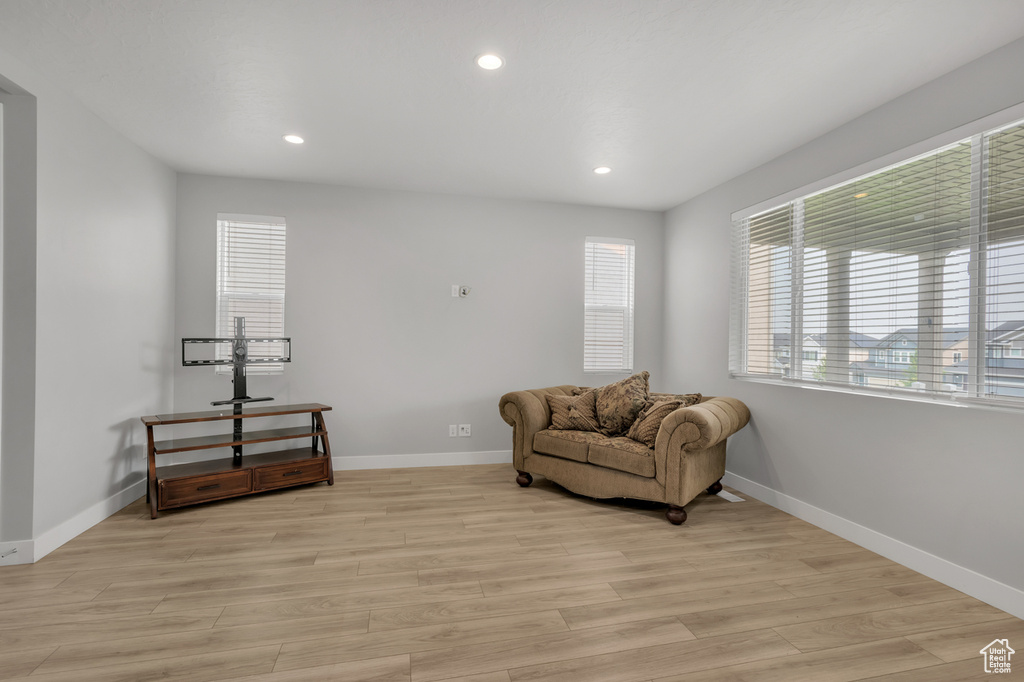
x=907 y=280
x=250 y=284
x=608 y=305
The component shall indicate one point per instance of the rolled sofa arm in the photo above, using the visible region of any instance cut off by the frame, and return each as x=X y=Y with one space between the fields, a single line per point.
x=527 y=412
x=703 y=425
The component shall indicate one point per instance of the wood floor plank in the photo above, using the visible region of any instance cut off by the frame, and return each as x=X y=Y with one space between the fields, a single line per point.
x=451 y=541
x=689 y=581
x=525 y=568
x=469 y=609
x=56 y=634
x=644 y=608
x=844 y=664
x=509 y=653
x=387 y=669
x=205 y=580
x=582 y=576
x=965 y=642
x=789 y=611
x=868 y=624
x=138 y=649
x=77 y=612
x=844 y=581
x=727 y=557
x=302 y=607
x=248 y=594
x=451 y=558
x=22 y=662
x=220 y=665
x=651 y=662
x=961 y=671
x=375 y=644
x=925 y=592
x=196 y=569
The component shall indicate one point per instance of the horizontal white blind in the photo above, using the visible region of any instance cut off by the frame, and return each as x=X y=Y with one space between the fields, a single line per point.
x=251 y=283
x=608 y=305
x=909 y=279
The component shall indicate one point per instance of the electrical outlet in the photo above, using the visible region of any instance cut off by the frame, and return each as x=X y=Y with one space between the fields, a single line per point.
x=453 y=430
x=465 y=431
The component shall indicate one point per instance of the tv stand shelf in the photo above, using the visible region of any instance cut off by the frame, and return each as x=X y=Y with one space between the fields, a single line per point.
x=180 y=485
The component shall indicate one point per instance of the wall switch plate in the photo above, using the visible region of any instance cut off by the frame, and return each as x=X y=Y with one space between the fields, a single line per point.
x=465 y=431
x=453 y=430
x=455 y=291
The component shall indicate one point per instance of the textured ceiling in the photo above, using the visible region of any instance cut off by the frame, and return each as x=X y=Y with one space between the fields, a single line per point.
x=676 y=96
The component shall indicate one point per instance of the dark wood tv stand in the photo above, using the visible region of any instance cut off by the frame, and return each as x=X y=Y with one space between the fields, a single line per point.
x=180 y=485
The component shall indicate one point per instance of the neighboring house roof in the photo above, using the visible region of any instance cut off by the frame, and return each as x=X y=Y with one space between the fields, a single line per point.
x=950 y=336
x=1006 y=332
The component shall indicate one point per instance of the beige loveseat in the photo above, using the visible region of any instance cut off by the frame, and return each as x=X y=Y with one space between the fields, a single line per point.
x=688 y=456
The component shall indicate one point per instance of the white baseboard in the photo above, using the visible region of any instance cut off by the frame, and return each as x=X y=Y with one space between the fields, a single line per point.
x=78 y=524
x=990 y=591
x=432 y=459
x=17 y=552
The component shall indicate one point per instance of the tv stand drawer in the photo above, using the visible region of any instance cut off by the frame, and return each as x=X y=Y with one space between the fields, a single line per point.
x=182 y=491
x=292 y=473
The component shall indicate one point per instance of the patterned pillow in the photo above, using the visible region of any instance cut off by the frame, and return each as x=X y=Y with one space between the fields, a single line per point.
x=686 y=399
x=574 y=413
x=619 y=404
x=645 y=428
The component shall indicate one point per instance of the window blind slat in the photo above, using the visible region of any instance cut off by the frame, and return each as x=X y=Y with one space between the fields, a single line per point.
x=608 y=305
x=251 y=284
x=868 y=283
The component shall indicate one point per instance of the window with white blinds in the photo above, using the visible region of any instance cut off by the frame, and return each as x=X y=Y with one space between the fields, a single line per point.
x=608 y=305
x=908 y=280
x=251 y=284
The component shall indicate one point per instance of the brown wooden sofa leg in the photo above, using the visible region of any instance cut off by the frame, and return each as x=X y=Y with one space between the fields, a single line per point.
x=715 y=487
x=675 y=515
x=524 y=479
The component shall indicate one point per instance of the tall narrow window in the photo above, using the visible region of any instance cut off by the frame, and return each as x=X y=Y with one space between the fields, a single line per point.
x=250 y=282
x=906 y=280
x=608 y=305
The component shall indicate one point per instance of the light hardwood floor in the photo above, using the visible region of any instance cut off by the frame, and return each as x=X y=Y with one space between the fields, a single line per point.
x=456 y=573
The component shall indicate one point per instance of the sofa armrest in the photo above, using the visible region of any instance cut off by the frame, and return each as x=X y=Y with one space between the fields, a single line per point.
x=527 y=412
x=704 y=425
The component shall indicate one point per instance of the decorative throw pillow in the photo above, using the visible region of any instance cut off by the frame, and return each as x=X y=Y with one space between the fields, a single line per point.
x=686 y=399
x=619 y=404
x=645 y=428
x=574 y=413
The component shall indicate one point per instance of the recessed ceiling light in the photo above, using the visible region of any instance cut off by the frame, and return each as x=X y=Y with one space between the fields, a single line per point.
x=294 y=139
x=602 y=170
x=490 y=62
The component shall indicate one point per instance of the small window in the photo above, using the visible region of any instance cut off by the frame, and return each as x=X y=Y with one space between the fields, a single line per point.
x=608 y=305
x=251 y=284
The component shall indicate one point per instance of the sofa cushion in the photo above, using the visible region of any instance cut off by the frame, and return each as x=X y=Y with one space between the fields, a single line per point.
x=623 y=454
x=574 y=413
x=565 y=444
x=645 y=428
x=619 y=404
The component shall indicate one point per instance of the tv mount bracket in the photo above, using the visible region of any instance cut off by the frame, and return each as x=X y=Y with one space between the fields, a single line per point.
x=239 y=360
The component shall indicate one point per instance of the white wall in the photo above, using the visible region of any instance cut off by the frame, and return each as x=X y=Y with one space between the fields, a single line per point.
x=376 y=333
x=914 y=479
x=103 y=318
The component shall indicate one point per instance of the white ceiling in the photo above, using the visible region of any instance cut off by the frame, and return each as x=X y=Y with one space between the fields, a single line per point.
x=676 y=96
